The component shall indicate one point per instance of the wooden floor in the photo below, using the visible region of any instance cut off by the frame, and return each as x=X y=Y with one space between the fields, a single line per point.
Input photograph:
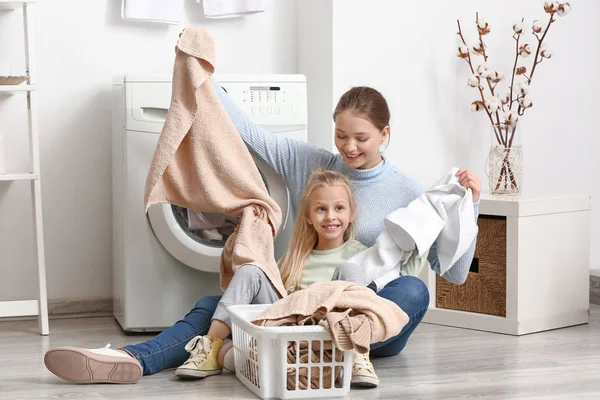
x=438 y=363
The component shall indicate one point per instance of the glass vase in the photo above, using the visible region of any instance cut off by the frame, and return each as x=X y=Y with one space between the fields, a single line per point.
x=504 y=167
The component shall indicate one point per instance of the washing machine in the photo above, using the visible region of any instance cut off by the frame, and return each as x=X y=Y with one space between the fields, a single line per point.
x=163 y=262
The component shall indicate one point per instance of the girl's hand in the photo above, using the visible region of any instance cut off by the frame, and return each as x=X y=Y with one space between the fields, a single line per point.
x=468 y=180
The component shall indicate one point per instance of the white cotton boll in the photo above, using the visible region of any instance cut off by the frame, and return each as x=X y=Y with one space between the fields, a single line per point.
x=546 y=53
x=477 y=105
x=537 y=26
x=483 y=27
x=563 y=9
x=473 y=81
x=495 y=76
x=492 y=104
x=518 y=28
x=463 y=51
x=525 y=102
x=482 y=70
x=479 y=49
x=551 y=7
x=521 y=89
x=524 y=50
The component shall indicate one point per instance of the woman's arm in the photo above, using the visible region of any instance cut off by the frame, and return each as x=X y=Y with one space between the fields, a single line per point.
x=459 y=271
x=291 y=159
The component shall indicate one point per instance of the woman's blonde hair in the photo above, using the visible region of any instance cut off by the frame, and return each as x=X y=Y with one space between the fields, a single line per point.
x=304 y=236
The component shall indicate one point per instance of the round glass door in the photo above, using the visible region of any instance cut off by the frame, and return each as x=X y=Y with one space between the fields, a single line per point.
x=196 y=239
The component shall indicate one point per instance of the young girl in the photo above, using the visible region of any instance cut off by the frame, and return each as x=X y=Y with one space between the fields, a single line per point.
x=322 y=239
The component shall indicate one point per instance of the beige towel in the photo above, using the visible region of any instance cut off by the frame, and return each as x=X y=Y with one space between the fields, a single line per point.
x=353 y=315
x=202 y=163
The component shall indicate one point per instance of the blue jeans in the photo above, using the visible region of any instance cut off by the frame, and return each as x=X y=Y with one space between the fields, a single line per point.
x=412 y=296
x=167 y=350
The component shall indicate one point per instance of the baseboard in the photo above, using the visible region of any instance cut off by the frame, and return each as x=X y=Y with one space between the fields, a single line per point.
x=73 y=308
x=80 y=308
x=84 y=308
x=594 y=289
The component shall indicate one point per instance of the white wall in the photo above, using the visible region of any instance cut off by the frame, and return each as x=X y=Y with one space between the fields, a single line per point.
x=314 y=59
x=79 y=51
x=407 y=51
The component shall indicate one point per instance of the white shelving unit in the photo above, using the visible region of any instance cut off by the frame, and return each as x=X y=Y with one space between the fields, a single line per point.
x=544 y=274
x=37 y=307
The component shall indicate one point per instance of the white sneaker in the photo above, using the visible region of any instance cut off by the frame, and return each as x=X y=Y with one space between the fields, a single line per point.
x=363 y=373
x=103 y=365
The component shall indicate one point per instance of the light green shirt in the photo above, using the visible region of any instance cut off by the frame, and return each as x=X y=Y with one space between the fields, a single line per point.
x=320 y=264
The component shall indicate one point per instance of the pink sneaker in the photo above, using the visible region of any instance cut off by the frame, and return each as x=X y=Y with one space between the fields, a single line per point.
x=104 y=365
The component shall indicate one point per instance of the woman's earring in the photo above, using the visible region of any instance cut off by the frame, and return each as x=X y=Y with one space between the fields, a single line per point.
x=381 y=147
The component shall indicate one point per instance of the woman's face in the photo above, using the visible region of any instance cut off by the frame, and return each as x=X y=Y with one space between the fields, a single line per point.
x=358 y=140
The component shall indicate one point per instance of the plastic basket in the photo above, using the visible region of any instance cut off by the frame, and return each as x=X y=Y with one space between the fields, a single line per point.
x=266 y=358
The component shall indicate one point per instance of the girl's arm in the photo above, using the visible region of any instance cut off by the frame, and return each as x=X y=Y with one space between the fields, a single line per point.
x=291 y=159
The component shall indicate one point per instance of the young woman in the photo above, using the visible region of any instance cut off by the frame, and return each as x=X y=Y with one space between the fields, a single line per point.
x=362 y=129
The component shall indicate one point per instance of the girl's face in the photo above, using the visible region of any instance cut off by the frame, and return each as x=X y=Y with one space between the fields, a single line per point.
x=330 y=214
x=358 y=140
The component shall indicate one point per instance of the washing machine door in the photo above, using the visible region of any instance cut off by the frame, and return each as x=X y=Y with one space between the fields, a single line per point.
x=201 y=249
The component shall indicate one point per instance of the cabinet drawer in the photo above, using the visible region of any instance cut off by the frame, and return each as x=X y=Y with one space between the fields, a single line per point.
x=484 y=291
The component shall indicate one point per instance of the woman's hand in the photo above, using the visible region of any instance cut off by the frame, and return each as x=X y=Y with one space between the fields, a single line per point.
x=469 y=180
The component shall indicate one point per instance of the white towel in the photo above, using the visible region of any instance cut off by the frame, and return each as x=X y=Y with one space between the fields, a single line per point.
x=231 y=8
x=444 y=215
x=163 y=11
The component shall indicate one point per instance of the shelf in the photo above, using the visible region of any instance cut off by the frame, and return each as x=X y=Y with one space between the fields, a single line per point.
x=9 y=80
x=25 y=83
x=19 y=308
x=13 y=5
x=17 y=88
x=18 y=177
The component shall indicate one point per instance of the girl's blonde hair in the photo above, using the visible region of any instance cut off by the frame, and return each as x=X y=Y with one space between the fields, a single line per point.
x=304 y=236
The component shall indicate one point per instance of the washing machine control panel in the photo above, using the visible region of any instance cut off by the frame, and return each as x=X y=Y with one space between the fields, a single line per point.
x=276 y=102
x=272 y=103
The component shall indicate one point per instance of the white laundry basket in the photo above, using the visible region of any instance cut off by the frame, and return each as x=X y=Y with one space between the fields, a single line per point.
x=264 y=365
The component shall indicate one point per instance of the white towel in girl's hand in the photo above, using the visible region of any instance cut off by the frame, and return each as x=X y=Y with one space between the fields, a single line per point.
x=165 y=11
x=444 y=215
x=231 y=8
